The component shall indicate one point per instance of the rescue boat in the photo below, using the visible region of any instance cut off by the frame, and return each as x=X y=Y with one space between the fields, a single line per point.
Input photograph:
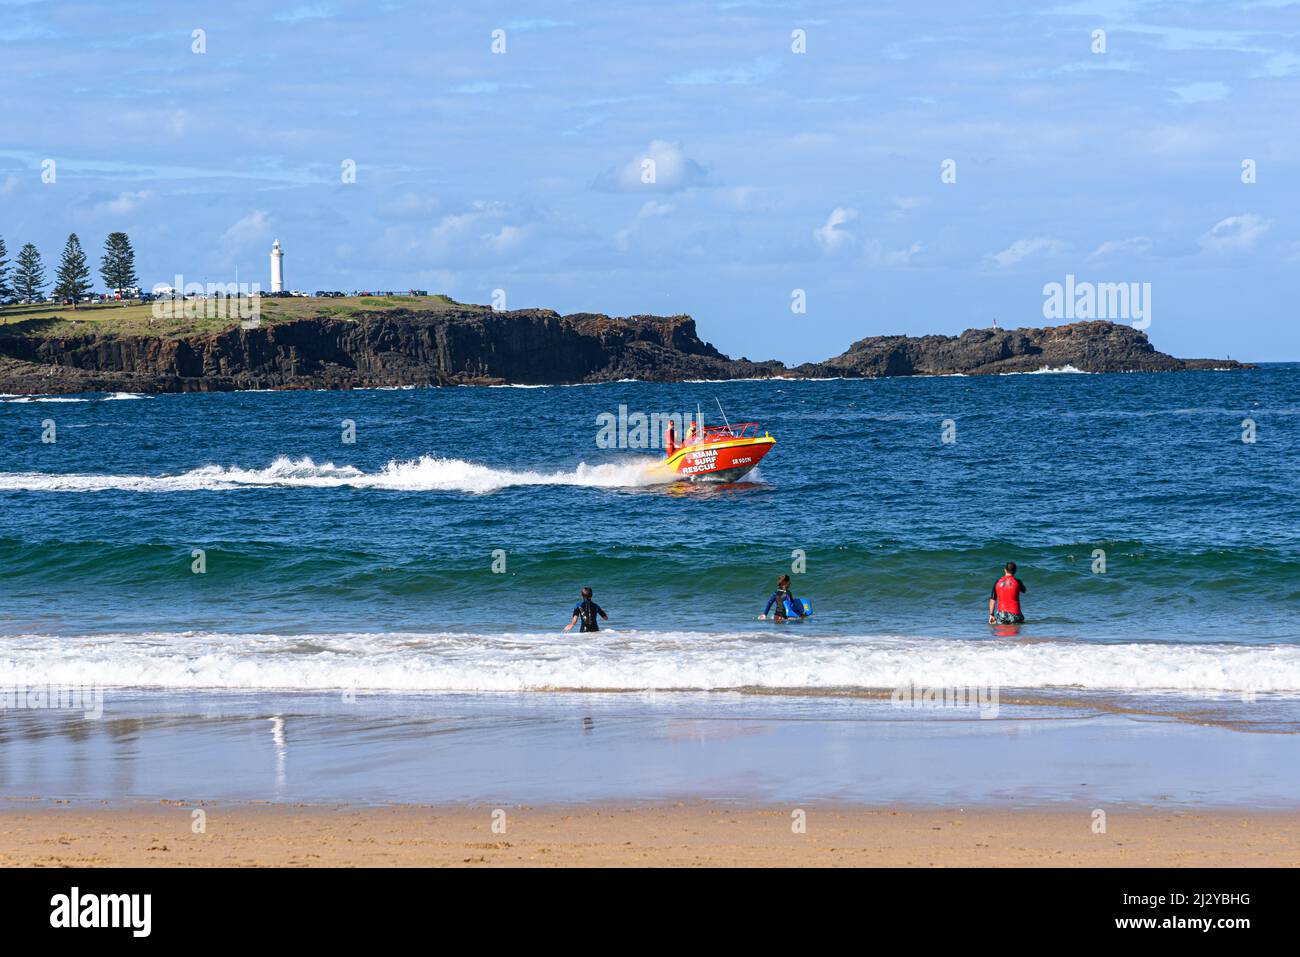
x=720 y=453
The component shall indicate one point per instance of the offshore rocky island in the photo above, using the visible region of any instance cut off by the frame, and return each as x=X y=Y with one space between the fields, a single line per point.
x=441 y=342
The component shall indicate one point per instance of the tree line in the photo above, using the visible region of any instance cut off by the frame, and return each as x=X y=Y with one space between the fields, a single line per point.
x=72 y=278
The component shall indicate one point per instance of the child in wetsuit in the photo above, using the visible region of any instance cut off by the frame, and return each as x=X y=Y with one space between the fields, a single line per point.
x=585 y=612
x=779 y=598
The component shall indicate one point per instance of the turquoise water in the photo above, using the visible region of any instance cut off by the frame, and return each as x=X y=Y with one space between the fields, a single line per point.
x=331 y=564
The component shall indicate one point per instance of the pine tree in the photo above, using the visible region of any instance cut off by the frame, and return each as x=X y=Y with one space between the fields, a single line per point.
x=118 y=265
x=29 y=274
x=6 y=293
x=74 y=274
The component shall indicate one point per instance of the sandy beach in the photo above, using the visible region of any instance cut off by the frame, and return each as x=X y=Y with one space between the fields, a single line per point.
x=677 y=835
x=601 y=780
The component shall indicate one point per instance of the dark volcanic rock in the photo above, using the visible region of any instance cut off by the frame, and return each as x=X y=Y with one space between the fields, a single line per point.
x=1086 y=346
x=534 y=346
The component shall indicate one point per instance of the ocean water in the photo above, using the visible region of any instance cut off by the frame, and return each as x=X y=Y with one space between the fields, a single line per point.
x=371 y=565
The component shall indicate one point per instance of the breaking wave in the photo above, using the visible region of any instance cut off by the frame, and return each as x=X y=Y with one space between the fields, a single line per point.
x=633 y=660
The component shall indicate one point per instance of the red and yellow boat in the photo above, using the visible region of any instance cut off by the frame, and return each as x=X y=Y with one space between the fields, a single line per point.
x=717 y=453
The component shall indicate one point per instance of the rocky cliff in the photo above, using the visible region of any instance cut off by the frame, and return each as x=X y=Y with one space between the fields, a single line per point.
x=1086 y=346
x=404 y=347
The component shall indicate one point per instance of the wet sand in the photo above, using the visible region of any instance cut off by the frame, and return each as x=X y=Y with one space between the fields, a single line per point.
x=40 y=834
x=615 y=780
x=550 y=750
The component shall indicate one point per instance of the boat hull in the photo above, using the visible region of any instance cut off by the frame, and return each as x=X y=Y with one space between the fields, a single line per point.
x=727 y=461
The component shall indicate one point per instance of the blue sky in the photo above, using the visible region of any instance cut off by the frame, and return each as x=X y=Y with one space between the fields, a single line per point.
x=775 y=170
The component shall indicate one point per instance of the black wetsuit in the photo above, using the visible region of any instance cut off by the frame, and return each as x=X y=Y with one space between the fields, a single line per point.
x=586 y=612
x=779 y=598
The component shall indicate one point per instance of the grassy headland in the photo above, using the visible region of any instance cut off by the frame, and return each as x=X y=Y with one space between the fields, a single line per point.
x=137 y=319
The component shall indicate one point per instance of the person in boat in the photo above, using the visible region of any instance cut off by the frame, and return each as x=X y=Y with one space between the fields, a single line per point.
x=585 y=612
x=692 y=433
x=1004 y=599
x=779 y=598
x=670 y=440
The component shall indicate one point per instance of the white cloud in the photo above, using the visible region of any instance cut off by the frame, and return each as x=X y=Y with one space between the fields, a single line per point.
x=1022 y=249
x=310 y=11
x=536 y=23
x=665 y=165
x=254 y=227
x=829 y=235
x=649 y=210
x=740 y=198
x=488 y=86
x=123 y=203
x=1133 y=246
x=483 y=224
x=1234 y=234
x=455 y=226
x=173 y=122
x=9 y=184
x=904 y=206
x=877 y=256
x=740 y=75
x=412 y=205
x=507 y=237
x=1280 y=65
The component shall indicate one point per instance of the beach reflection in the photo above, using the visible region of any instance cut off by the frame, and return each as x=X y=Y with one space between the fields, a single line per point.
x=281 y=746
x=761 y=745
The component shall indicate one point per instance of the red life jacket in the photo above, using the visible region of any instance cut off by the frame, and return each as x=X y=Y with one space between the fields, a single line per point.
x=1008 y=591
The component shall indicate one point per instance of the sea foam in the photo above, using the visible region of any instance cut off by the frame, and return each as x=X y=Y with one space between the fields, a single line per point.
x=427 y=473
x=633 y=661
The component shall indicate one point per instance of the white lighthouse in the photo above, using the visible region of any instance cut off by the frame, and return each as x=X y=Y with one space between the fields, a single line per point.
x=277 y=267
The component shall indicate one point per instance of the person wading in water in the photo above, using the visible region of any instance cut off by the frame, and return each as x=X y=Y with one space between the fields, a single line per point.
x=1004 y=599
x=586 y=611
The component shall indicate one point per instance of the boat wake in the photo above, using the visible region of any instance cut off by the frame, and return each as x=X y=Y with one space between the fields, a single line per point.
x=427 y=473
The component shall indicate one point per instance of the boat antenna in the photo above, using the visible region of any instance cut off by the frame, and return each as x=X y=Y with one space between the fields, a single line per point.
x=724 y=415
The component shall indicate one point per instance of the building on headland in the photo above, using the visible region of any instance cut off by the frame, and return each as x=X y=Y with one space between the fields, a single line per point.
x=277 y=267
